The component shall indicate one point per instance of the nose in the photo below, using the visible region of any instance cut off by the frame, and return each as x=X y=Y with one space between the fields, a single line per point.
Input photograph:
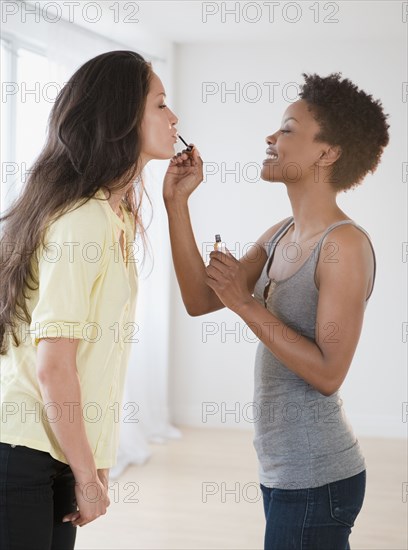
x=172 y=117
x=271 y=140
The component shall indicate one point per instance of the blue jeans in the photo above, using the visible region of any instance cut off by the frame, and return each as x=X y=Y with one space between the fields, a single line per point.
x=36 y=492
x=320 y=518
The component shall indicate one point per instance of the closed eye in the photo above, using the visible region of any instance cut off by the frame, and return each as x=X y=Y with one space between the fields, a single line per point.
x=162 y=106
x=284 y=131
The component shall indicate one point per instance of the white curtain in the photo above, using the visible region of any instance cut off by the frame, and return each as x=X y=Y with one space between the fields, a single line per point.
x=145 y=415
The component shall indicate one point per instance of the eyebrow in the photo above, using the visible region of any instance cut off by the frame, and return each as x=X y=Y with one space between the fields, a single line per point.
x=291 y=118
x=162 y=93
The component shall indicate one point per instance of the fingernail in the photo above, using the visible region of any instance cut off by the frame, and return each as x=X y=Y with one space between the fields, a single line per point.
x=65 y=520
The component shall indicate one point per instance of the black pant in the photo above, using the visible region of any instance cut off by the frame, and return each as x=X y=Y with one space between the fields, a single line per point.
x=36 y=491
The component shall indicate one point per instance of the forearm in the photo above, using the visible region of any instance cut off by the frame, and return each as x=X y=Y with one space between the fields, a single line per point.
x=298 y=353
x=188 y=263
x=59 y=384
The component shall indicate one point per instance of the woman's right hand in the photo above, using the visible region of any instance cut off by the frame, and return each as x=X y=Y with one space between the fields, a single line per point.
x=92 y=501
x=183 y=176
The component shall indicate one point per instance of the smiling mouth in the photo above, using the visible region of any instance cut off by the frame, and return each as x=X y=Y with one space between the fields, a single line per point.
x=271 y=156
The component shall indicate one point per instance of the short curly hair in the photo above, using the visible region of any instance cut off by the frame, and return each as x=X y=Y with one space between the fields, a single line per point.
x=351 y=119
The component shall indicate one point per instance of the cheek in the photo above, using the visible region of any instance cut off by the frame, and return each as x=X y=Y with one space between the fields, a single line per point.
x=156 y=136
x=298 y=152
x=152 y=129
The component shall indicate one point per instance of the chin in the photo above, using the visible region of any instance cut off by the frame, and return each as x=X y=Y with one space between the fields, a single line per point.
x=165 y=155
x=268 y=174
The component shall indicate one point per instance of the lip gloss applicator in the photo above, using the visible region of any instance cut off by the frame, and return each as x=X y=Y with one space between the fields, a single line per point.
x=189 y=147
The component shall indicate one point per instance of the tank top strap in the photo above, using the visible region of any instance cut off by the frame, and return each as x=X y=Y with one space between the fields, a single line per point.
x=330 y=228
x=277 y=235
x=316 y=252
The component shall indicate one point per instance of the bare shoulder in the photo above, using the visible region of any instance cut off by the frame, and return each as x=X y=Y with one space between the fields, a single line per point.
x=347 y=249
x=348 y=241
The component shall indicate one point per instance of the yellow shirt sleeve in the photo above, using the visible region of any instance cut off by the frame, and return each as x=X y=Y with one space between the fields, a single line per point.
x=68 y=266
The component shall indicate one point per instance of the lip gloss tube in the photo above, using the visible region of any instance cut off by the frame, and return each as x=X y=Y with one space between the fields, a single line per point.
x=219 y=245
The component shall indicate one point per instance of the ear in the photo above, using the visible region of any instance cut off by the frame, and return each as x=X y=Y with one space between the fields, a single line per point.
x=329 y=155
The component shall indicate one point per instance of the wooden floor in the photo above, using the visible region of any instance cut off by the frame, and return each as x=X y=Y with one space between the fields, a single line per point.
x=201 y=492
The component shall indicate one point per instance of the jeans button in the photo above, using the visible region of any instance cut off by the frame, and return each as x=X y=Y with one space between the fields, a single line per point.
x=336 y=511
x=13 y=446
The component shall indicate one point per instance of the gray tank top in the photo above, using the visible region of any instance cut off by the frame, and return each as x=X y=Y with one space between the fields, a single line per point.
x=302 y=438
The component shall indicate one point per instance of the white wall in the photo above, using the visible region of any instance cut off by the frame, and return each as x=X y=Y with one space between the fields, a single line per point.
x=219 y=369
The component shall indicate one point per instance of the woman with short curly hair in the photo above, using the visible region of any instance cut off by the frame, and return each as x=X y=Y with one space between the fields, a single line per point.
x=302 y=289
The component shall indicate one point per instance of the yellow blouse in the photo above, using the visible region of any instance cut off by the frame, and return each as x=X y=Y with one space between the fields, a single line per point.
x=87 y=290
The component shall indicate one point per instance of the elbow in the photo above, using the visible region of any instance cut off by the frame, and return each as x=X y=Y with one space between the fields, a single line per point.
x=43 y=378
x=331 y=377
x=44 y=373
x=194 y=311
x=327 y=392
x=329 y=388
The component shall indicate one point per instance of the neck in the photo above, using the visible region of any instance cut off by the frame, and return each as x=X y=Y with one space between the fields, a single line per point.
x=117 y=196
x=115 y=200
x=314 y=208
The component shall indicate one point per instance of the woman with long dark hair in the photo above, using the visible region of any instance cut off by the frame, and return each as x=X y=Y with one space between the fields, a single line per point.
x=68 y=293
x=302 y=289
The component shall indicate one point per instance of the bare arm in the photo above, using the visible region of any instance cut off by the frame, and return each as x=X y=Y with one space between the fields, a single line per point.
x=59 y=383
x=323 y=363
x=183 y=176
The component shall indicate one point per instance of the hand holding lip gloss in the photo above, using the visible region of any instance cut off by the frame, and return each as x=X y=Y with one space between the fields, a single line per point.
x=184 y=173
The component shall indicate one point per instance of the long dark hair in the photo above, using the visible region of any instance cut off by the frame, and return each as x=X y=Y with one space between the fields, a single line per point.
x=93 y=142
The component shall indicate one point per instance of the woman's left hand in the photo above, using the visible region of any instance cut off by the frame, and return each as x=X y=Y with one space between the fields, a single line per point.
x=228 y=279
